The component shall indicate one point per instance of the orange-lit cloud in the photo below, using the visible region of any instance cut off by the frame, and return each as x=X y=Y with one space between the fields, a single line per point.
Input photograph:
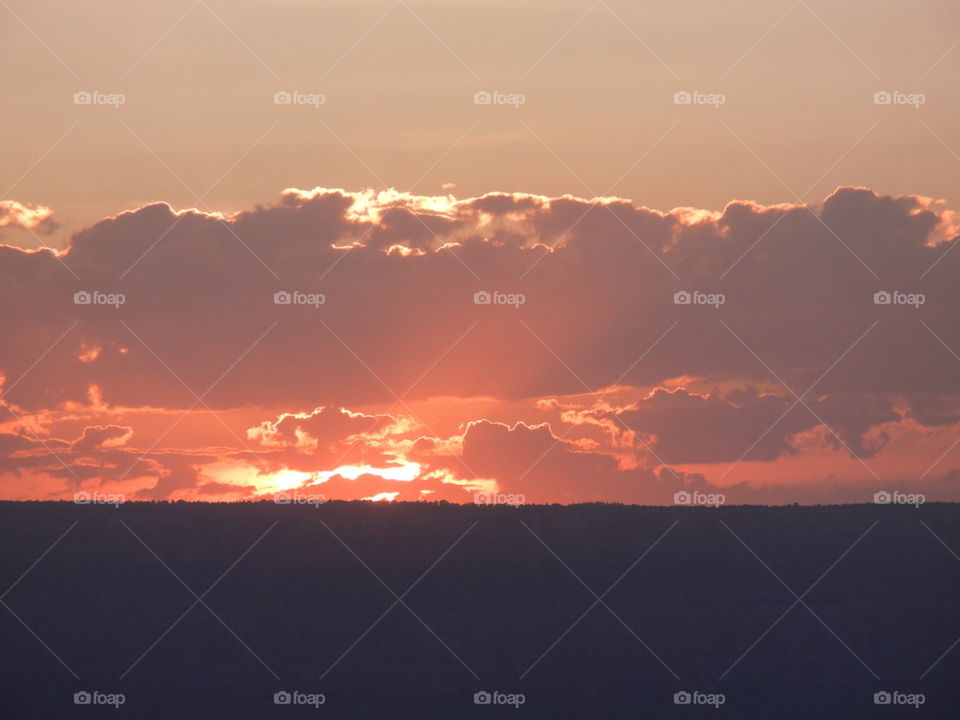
x=29 y=217
x=347 y=342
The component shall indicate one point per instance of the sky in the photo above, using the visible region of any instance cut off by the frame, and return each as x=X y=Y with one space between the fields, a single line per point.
x=677 y=252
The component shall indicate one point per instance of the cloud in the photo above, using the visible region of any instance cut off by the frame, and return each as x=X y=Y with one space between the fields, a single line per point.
x=95 y=459
x=37 y=218
x=320 y=427
x=97 y=437
x=533 y=462
x=594 y=273
x=178 y=473
x=382 y=316
x=745 y=424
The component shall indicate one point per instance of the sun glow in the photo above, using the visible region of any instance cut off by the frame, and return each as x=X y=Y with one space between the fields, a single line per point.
x=286 y=480
x=405 y=471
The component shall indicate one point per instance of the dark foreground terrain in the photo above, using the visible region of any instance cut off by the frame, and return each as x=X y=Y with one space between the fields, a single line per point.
x=207 y=611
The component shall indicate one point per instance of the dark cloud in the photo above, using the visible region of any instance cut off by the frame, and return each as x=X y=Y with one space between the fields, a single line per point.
x=533 y=462
x=745 y=424
x=199 y=296
x=99 y=436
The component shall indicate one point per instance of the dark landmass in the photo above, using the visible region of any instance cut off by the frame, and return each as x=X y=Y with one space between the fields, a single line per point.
x=494 y=589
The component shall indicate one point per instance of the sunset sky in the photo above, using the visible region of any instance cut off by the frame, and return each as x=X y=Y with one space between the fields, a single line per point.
x=548 y=251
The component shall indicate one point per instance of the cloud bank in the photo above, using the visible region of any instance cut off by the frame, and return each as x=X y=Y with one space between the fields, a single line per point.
x=618 y=352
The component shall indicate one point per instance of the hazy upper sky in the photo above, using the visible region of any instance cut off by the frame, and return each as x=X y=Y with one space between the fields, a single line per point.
x=398 y=80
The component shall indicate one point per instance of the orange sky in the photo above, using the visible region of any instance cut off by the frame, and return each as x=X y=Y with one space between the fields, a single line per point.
x=533 y=252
